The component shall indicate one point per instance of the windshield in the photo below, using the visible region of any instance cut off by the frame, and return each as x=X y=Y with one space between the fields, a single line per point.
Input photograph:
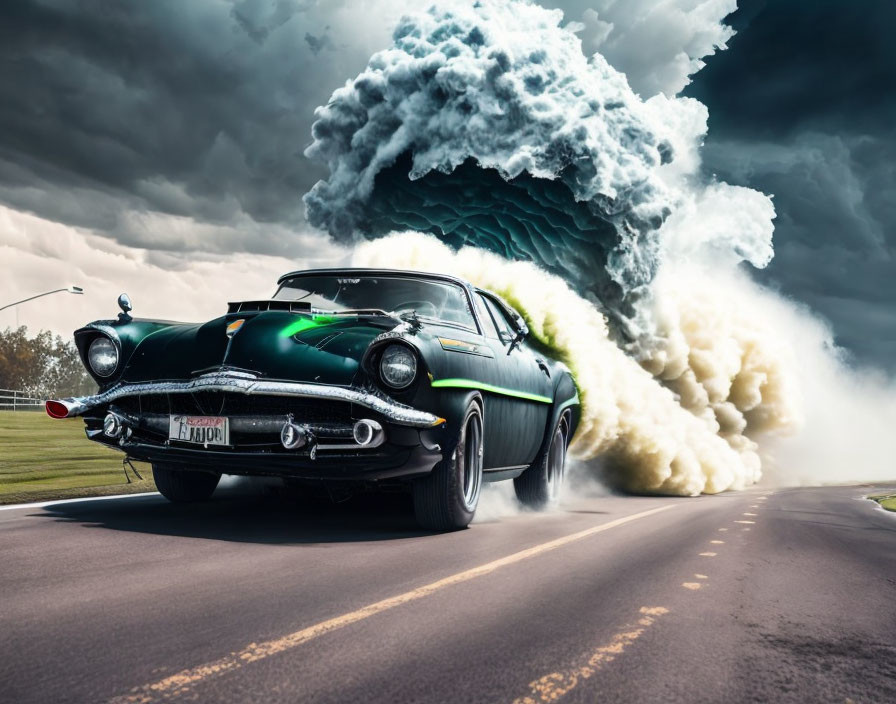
x=396 y=295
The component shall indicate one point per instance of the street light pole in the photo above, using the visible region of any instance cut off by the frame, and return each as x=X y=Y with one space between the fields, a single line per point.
x=68 y=289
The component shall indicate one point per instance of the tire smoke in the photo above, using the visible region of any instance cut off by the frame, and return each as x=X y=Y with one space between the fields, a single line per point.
x=498 y=152
x=662 y=425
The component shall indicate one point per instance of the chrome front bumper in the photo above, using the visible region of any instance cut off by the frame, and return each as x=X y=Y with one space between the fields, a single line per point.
x=249 y=384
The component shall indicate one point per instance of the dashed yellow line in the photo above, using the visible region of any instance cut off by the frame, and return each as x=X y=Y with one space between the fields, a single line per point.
x=552 y=687
x=184 y=681
x=751 y=522
x=750 y=514
x=700 y=576
x=692 y=585
x=722 y=530
x=708 y=554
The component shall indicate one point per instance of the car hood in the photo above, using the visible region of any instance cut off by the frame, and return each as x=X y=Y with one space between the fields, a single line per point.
x=274 y=344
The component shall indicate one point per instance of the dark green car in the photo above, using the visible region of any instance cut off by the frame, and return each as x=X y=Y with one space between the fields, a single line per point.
x=346 y=376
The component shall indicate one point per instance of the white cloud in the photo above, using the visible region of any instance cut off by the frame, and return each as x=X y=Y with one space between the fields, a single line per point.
x=40 y=255
x=658 y=44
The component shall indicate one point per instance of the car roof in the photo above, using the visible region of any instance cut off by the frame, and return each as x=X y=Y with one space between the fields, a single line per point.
x=375 y=272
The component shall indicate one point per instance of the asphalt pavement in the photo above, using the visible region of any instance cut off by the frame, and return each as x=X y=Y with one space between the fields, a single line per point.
x=764 y=595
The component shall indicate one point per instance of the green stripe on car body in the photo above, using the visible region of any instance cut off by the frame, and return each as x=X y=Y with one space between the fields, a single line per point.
x=470 y=384
x=303 y=324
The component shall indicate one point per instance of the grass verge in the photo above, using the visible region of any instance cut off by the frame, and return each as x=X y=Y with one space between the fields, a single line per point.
x=42 y=459
x=888 y=501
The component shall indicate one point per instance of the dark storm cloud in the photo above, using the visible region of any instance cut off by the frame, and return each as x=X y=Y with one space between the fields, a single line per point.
x=802 y=106
x=202 y=109
x=258 y=20
x=198 y=109
x=113 y=114
x=318 y=44
x=827 y=64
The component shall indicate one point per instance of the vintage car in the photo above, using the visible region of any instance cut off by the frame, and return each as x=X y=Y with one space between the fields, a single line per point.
x=348 y=377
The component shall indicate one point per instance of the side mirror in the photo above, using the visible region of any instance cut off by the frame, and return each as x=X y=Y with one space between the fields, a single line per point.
x=513 y=339
x=124 y=302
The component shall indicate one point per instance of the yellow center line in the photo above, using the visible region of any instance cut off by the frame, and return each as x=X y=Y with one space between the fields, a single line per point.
x=182 y=682
x=708 y=554
x=555 y=685
x=745 y=522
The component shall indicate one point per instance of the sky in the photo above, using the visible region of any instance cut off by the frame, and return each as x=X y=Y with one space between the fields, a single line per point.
x=803 y=106
x=157 y=148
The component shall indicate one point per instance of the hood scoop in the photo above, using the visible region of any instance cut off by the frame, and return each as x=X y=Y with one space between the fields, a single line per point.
x=257 y=306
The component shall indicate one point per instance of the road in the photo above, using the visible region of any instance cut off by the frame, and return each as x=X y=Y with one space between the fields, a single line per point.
x=765 y=595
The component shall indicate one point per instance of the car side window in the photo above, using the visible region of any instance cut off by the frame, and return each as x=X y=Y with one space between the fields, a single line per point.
x=488 y=325
x=505 y=330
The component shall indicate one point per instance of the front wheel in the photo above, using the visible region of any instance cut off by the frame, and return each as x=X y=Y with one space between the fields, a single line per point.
x=184 y=485
x=539 y=486
x=446 y=499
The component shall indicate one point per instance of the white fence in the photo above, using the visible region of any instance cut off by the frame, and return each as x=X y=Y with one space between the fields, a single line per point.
x=13 y=400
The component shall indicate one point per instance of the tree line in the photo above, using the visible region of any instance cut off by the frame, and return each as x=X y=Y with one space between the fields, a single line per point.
x=43 y=366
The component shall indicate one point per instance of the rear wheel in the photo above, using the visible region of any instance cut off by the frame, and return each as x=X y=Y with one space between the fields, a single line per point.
x=447 y=498
x=539 y=486
x=184 y=485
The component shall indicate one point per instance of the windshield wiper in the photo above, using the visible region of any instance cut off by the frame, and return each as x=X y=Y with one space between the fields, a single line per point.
x=420 y=319
x=353 y=311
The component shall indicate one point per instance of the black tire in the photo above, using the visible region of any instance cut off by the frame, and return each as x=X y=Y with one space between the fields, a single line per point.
x=447 y=498
x=184 y=485
x=539 y=486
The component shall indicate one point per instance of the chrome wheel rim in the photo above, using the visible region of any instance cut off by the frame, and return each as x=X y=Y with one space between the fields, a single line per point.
x=469 y=456
x=556 y=462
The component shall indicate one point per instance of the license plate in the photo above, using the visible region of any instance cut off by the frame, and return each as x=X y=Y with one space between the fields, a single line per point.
x=201 y=430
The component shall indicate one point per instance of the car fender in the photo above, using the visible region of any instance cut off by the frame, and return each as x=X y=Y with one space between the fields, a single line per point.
x=566 y=399
x=126 y=336
x=454 y=406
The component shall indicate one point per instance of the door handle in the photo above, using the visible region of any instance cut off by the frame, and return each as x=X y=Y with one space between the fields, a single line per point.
x=544 y=367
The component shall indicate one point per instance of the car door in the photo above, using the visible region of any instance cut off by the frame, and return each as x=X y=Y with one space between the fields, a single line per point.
x=517 y=412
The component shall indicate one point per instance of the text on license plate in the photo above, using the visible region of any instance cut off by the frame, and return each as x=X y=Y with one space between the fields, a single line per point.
x=203 y=430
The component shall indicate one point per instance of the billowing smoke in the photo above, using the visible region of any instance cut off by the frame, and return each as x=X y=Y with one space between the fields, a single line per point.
x=541 y=175
x=684 y=437
x=487 y=125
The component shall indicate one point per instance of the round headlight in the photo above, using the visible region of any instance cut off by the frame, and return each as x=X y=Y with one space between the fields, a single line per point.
x=102 y=356
x=398 y=366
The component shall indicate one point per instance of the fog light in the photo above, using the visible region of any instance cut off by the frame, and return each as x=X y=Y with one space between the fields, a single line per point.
x=112 y=426
x=292 y=437
x=367 y=433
